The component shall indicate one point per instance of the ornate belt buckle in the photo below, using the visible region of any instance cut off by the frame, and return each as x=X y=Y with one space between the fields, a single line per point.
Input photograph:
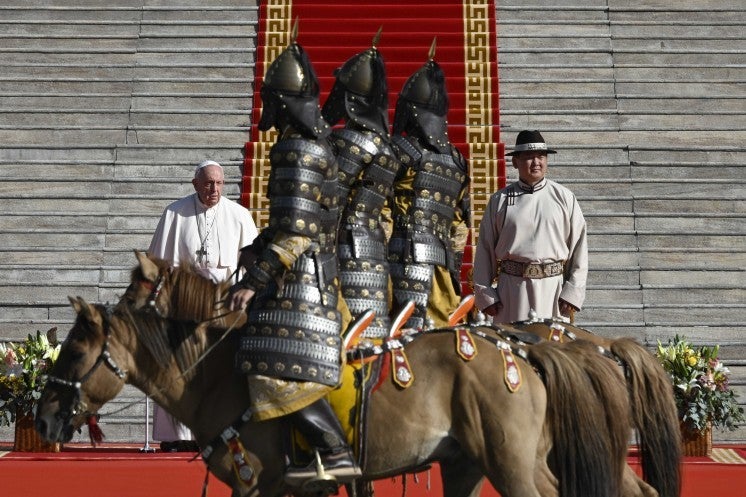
x=533 y=271
x=548 y=270
x=554 y=269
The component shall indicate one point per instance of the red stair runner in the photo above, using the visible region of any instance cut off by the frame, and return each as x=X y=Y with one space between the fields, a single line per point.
x=333 y=32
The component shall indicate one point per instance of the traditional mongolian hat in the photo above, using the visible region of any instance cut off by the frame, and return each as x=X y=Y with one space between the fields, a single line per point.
x=530 y=141
x=360 y=92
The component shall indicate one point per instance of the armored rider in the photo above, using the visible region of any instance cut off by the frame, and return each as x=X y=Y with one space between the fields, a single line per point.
x=291 y=346
x=367 y=169
x=432 y=203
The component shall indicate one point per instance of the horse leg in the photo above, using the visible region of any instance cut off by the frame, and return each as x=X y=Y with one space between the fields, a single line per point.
x=546 y=482
x=634 y=486
x=510 y=458
x=460 y=477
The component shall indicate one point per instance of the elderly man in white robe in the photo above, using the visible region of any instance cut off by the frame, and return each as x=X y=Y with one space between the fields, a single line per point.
x=532 y=251
x=206 y=230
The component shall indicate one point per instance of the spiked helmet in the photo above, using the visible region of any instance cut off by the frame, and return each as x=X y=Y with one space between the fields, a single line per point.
x=422 y=106
x=360 y=92
x=290 y=93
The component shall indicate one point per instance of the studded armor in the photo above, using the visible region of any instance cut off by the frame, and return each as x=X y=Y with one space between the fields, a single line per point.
x=431 y=196
x=367 y=170
x=364 y=270
x=422 y=235
x=293 y=329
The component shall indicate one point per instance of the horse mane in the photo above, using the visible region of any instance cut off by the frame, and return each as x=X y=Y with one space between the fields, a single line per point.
x=195 y=298
x=166 y=339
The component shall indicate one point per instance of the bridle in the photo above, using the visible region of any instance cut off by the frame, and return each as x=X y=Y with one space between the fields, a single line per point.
x=155 y=292
x=77 y=406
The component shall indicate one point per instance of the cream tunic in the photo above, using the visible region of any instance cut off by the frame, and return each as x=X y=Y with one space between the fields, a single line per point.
x=544 y=226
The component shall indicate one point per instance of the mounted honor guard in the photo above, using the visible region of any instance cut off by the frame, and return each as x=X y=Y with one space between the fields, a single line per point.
x=291 y=348
x=432 y=204
x=367 y=170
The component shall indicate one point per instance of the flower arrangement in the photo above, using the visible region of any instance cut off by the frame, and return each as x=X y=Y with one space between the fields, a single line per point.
x=700 y=383
x=22 y=367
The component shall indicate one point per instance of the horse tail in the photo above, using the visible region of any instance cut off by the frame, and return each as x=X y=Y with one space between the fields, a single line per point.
x=654 y=414
x=585 y=456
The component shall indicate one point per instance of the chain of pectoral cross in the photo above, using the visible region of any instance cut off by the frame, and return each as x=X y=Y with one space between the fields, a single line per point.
x=202 y=252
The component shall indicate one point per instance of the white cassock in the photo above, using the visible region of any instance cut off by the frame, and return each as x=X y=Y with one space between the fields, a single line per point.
x=189 y=232
x=540 y=227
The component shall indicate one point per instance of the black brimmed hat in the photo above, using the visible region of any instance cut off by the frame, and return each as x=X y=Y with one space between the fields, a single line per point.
x=530 y=141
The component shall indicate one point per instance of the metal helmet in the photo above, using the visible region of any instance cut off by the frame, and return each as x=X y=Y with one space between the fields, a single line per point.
x=290 y=93
x=422 y=106
x=360 y=92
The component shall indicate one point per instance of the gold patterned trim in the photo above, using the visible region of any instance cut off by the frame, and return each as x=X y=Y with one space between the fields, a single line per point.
x=480 y=102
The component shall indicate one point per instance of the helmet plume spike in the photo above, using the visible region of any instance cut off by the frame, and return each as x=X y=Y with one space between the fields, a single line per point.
x=294 y=32
x=431 y=53
x=377 y=37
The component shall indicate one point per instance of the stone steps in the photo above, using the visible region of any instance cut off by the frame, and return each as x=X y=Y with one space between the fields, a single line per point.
x=111 y=108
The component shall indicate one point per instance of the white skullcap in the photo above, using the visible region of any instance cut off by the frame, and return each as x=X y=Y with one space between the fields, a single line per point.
x=206 y=163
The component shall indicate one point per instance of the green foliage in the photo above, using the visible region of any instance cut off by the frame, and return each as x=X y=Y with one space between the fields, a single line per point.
x=22 y=369
x=700 y=383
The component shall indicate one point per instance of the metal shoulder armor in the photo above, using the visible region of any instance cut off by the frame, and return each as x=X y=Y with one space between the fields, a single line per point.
x=298 y=191
x=407 y=151
x=354 y=150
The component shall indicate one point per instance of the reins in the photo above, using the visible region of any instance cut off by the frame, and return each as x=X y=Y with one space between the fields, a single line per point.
x=106 y=358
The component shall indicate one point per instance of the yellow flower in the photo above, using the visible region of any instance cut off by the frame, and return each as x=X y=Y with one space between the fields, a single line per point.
x=691 y=360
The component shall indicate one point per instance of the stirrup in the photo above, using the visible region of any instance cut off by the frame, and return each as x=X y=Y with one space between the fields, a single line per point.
x=323 y=483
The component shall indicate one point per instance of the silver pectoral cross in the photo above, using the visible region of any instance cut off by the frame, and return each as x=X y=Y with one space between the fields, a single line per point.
x=201 y=253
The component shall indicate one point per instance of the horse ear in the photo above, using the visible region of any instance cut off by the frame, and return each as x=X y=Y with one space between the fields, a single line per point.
x=149 y=268
x=75 y=302
x=86 y=310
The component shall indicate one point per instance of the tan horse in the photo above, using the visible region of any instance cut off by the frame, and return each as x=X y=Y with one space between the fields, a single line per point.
x=458 y=413
x=653 y=407
x=654 y=410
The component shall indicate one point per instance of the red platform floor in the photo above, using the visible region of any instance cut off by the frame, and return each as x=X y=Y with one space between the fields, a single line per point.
x=116 y=470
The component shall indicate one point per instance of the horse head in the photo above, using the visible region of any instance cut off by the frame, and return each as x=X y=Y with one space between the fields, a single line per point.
x=178 y=292
x=84 y=377
x=148 y=289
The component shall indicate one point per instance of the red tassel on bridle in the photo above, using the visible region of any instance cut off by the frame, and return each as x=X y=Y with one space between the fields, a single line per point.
x=94 y=430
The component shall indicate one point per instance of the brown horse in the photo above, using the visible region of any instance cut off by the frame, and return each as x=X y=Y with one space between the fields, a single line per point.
x=653 y=407
x=186 y=295
x=464 y=416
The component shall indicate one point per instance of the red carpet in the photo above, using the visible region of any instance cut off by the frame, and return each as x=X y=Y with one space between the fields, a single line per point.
x=334 y=31
x=123 y=471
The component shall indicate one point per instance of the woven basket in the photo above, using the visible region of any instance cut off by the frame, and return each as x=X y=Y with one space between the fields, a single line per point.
x=28 y=439
x=696 y=444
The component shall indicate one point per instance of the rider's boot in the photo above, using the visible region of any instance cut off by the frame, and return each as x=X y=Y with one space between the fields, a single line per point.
x=321 y=428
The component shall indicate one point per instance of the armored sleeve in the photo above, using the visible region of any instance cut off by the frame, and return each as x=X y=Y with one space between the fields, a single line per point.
x=298 y=171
